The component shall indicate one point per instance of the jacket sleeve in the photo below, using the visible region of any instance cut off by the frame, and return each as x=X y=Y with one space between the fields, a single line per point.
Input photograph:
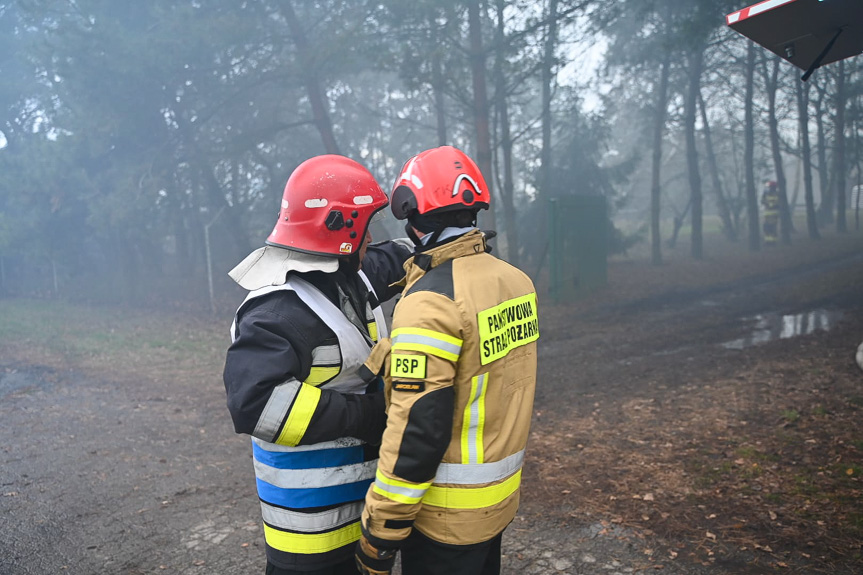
x=419 y=373
x=265 y=371
x=383 y=265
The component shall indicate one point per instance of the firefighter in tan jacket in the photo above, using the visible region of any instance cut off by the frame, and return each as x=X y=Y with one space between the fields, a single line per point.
x=460 y=372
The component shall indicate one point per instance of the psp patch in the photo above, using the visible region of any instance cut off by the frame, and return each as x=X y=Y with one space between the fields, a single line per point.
x=404 y=366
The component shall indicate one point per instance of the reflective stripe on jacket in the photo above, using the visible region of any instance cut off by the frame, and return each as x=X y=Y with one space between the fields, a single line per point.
x=460 y=377
x=311 y=495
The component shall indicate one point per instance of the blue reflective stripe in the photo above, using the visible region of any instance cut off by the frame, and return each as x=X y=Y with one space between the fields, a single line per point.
x=315 y=497
x=310 y=459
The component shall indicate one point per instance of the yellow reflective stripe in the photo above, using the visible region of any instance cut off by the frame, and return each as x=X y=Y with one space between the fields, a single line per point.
x=472 y=497
x=427 y=341
x=308 y=543
x=427 y=333
x=473 y=422
x=373 y=331
x=397 y=497
x=379 y=476
x=426 y=349
x=480 y=426
x=399 y=491
x=300 y=416
x=321 y=375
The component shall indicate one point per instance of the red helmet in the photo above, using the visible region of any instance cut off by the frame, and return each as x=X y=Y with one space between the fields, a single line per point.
x=326 y=207
x=438 y=180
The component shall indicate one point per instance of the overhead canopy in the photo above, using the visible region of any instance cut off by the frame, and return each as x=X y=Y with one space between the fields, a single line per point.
x=802 y=31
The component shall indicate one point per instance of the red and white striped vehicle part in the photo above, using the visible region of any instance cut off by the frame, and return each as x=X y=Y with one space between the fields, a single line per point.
x=759 y=8
x=800 y=30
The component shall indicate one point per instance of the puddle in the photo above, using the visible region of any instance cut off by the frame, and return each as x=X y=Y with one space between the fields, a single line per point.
x=772 y=326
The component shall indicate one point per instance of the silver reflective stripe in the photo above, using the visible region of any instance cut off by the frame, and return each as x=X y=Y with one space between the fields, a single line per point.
x=317 y=477
x=326 y=355
x=311 y=522
x=399 y=490
x=377 y=312
x=429 y=341
x=478 y=473
x=276 y=409
x=341 y=442
x=472 y=451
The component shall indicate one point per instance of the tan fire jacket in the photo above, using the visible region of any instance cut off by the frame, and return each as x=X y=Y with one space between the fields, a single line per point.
x=460 y=372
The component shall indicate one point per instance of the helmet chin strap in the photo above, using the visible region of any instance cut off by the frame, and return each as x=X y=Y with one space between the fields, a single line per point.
x=427 y=226
x=433 y=227
x=409 y=229
x=350 y=263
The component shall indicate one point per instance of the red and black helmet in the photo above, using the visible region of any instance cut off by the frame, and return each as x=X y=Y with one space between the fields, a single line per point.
x=439 y=180
x=326 y=208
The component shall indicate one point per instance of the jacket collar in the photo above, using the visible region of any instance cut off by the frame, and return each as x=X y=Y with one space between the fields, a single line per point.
x=417 y=265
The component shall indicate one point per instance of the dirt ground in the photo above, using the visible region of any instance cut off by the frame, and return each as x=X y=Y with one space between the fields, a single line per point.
x=697 y=417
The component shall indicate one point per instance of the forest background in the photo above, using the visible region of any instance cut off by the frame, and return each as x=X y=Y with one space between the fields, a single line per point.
x=144 y=146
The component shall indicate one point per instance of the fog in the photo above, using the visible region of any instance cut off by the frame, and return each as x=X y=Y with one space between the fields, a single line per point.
x=697 y=405
x=133 y=134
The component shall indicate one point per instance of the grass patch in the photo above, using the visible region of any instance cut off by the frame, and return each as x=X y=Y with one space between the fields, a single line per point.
x=805 y=486
x=95 y=337
x=749 y=452
x=774 y=498
x=791 y=415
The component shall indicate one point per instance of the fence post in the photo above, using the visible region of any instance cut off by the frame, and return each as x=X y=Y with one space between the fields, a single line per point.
x=210 y=259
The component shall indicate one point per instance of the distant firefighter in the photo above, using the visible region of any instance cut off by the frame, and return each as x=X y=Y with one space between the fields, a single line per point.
x=770 y=203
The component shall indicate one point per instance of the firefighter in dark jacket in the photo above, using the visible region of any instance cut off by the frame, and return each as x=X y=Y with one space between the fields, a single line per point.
x=460 y=373
x=291 y=374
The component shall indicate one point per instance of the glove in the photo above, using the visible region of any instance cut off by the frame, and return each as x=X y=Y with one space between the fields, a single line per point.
x=371 y=417
x=373 y=561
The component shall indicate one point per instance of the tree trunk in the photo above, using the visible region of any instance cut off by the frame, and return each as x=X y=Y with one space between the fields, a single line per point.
x=825 y=209
x=317 y=99
x=806 y=155
x=841 y=99
x=507 y=191
x=438 y=83
x=728 y=228
x=480 y=101
x=749 y=154
x=696 y=61
x=855 y=129
x=547 y=77
x=661 y=104
x=771 y=82
x=678 y=223
x=178 y=202
x=216 y=196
